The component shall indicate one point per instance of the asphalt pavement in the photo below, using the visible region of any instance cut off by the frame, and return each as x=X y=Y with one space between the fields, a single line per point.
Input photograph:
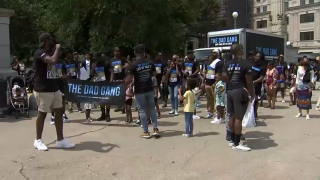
x=283 y=148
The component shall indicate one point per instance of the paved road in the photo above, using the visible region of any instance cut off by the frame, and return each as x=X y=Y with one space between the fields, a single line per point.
x=283 y=148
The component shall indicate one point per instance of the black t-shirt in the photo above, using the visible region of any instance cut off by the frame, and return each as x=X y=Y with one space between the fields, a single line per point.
x=175 y=77
x=190 y=67
x=142 y=70
x=101 y=71
x=72 y=69
x=240 y=69
x=257 y=71
x=45 y=74
x=159 y=70
x=211 y=71
x=116 y=66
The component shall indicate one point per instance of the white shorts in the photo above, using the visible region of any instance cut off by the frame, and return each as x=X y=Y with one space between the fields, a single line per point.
x=87 y=106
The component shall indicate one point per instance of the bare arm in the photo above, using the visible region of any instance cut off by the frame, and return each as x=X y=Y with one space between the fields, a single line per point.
x=261 y=78
x=52 y=59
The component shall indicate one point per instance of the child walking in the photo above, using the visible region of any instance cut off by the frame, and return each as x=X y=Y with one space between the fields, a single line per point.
x=220 y=100
x=189 y=101
x=128 y=103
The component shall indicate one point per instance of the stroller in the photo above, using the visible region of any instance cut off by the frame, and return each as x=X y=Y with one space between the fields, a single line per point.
x=18 y=104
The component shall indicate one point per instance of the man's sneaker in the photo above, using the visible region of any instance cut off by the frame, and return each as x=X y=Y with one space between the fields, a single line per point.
x=80 y=110
x=138 y=122
x=209 y=116
x=186 y=135
x=102 y=118
x=70 y=111
x=52 y=120
x=172 y=112
x=176 y=113
x=307 y=117
x=145 y=135
x=283 y=101
x=89 y=120
x=231 y=144
x=38 y=144
x=64 y=144
x=156 y=132
x=196 y=117
x=65 y=119
x=108 y=118
x=241 y=147
x=159 y=116
x=216 y=121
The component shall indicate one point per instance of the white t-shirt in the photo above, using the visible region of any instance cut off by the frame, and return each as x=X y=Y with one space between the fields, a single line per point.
x=88 y=65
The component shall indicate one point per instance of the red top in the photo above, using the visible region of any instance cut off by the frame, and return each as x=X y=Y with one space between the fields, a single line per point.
x=271 y=77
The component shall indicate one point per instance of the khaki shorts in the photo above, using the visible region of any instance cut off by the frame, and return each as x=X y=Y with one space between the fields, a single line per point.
x=47 y=101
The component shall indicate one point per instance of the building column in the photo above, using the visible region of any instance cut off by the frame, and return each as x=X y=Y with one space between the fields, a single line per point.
x=317 y=25
x=5 y=67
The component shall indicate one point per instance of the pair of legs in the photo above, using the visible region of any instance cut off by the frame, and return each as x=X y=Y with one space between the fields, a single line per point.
x=145 y=100
x=174 y=93
x=87 y=107
x=210 y=100
x=293 y=96
x=282 y=89
x=271 y=96
x=165 y=93
x=189 y=123
x=220 y=112
x=304 y=101
x=157 y=106
x=128 y=105
x=71 y=106
x=64 y=116
x=105 y=113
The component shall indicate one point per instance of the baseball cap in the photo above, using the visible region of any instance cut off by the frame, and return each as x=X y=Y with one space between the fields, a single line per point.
x=42 y=39
x=140 y=48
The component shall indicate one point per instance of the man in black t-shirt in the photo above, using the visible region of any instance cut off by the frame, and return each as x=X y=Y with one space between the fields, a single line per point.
x=46 y=90
x=142 y=70
x=237 y=74
x=117 y=67
x=258 y=74
x=72 y=71
x=100 y=72
x=191 y=68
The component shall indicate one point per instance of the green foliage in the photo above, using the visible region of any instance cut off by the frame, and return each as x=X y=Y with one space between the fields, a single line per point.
x=100 y=25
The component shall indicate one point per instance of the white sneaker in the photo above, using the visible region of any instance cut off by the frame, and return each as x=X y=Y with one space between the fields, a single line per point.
x=176 y=113
x=64 y=144
x=171 y=112
x=38 y=144
x=318 y=108
x=241 y=147
x=196 y=117
x=231 y=144
x=209 y=116
x=298 y=115
x=186 y=135
x=283 y=101
x=216 y=121
x=307 y=117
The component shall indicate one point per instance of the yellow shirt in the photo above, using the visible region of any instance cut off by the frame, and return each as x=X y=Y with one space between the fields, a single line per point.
x=189 y=100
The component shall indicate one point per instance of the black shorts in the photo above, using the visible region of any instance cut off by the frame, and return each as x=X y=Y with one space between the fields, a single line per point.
x=128 y=102
x=237 y=102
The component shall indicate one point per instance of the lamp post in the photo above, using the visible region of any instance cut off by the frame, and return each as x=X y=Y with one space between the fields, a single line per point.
x=235 y=16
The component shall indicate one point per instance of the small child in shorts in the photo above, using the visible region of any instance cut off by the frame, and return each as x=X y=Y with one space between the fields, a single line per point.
x=220 y=100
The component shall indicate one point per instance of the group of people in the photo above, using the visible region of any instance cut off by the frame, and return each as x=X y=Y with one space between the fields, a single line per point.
x=229 y=85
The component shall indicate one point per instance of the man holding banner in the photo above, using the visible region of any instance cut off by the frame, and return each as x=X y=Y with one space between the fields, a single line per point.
x=142 y=70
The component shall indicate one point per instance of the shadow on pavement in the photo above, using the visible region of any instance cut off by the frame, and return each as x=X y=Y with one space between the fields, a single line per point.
x=282 y=107
x=93 y=146
x=172 y=133
x=261 y=123
x=259 y=140
x=270 y=117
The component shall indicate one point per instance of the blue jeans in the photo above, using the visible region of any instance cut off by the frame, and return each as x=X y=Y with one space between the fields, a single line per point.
x=144 y=101
x=189 y=122
x=173 y=90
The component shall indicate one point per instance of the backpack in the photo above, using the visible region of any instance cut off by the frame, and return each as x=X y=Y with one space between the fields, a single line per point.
x=307 y=76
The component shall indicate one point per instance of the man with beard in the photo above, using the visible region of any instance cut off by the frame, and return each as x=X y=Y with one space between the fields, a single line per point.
x=117 y=66
x=46 y=91
x=100 y=72
x=213 y=67
x=282 y=69
x=258 y=74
